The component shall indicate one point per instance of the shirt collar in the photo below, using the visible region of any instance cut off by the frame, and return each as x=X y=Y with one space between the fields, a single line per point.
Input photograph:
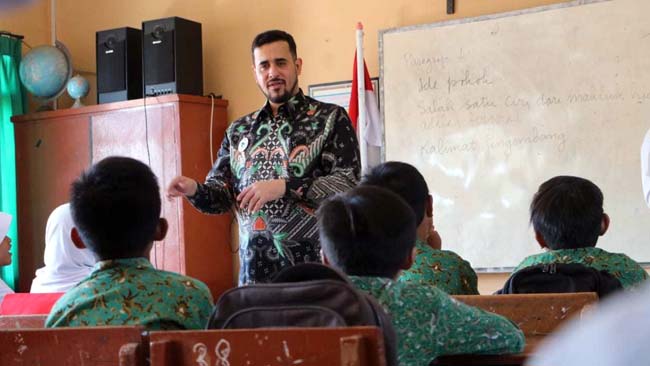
x=291 y=107
x=139 y=262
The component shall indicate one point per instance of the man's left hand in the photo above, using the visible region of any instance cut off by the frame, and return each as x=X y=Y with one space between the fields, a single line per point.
x=259 y=193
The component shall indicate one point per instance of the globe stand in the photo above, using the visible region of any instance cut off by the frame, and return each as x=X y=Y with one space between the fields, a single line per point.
x=78 y=103
x=44 y=105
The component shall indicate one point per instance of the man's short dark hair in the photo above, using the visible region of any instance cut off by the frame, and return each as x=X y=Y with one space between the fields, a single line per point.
x=403 y=179
x=568 y=212
x=367 y=231
x=271 y=36
x=115 y=205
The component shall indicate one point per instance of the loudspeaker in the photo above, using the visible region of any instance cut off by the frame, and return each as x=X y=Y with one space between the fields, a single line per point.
x=172 y=56
x=119 y=64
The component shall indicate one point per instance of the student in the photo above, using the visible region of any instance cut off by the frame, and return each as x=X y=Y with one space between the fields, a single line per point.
x=65 y=263
x=433 y=266
x=116 y=209
x=567 y=216
x=5 y=254
x=369 y=233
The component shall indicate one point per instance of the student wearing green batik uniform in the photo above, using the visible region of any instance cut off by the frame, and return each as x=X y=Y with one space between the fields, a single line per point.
x=116 y=209
x=432 y=266
x=369 y=233
x=568 y=217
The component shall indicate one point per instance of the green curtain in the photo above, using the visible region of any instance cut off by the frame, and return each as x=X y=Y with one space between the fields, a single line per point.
x=12 y=102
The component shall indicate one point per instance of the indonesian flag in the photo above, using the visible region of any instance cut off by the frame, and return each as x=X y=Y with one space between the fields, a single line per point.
x=372 y=131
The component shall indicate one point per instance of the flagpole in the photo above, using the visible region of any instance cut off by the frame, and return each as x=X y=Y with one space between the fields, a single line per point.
x=361 y=91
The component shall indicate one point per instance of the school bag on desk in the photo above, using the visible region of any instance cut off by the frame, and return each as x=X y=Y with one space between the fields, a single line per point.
x=304 y=295
x=561 y=278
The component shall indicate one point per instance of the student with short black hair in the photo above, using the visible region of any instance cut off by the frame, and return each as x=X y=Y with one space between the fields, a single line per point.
x=568 y=217
x=116 y=209
x=432 y=266
x=369 y=233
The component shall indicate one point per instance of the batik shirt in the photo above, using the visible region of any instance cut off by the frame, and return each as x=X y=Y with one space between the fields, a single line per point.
x=132 y=292
x=441 y=268
x=308 y=143
x=626 y=270
x=429 y=323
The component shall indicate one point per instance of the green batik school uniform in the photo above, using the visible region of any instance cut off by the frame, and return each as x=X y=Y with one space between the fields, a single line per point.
x=626 y=270
x=429 y=323
x=132 y=292
x=441 y=268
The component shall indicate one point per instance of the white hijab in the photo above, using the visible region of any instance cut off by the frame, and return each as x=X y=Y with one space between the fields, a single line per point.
x=65 y=264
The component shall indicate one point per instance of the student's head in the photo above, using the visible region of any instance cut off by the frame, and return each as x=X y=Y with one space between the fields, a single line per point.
x=5 y=254
x=115 y=205
x=367 y=231
x=405 y=180
x=5 y=241
x=567 y=213
x=276 y=65
x=62 y=254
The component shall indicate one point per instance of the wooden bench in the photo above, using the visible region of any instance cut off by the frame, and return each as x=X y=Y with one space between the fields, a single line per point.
x=22 y=321
x=351 y=346
x=536 y=314
x=73 y=346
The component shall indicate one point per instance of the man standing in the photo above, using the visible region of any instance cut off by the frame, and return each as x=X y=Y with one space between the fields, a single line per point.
x=276 y=165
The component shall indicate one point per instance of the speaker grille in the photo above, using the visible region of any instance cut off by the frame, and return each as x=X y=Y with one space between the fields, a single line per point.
x=159 y=56
x=111 y=65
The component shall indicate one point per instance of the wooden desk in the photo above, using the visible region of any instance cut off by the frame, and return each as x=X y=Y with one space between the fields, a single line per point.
x=517 y=359
x=348 y=346
x=53 y=148
x=73 y=346
x=536 y=314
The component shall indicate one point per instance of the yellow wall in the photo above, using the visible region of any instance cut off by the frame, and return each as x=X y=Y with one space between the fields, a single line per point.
x=31 y=21
x=324 y=31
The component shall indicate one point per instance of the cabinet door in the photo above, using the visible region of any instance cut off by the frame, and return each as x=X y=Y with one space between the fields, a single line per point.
x=50 y=155
x=149 y=138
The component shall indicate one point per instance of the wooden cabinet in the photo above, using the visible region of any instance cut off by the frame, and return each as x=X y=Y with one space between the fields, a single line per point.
x=171 y=133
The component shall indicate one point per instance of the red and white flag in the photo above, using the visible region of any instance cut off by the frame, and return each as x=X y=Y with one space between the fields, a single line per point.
x=372 y=128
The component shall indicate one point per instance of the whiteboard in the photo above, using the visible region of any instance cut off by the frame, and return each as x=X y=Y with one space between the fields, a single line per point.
x=488 y=108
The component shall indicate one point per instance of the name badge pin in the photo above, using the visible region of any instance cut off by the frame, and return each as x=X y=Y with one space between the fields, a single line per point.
x=243 y=144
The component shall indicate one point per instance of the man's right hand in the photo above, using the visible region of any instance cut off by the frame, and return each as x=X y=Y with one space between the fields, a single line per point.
x=181 y=186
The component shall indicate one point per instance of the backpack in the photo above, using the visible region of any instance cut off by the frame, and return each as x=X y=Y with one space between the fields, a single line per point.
x=559 y=278
x=304 y=295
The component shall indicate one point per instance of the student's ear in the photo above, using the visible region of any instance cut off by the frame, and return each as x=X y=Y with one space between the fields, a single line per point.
x=410 y=259
x=76 y=239
x=540 y=240
x=604 y=224
x=161 y=229
x=429 y=206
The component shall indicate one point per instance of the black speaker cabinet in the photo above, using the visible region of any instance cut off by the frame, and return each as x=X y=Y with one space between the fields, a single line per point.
x=119 y=64
x=172 y=57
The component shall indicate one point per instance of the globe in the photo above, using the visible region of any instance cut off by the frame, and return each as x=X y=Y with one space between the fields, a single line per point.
x=78 y=88
x=45 y=70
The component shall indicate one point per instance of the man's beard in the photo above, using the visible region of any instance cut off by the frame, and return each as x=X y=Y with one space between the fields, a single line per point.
x=284 y=97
